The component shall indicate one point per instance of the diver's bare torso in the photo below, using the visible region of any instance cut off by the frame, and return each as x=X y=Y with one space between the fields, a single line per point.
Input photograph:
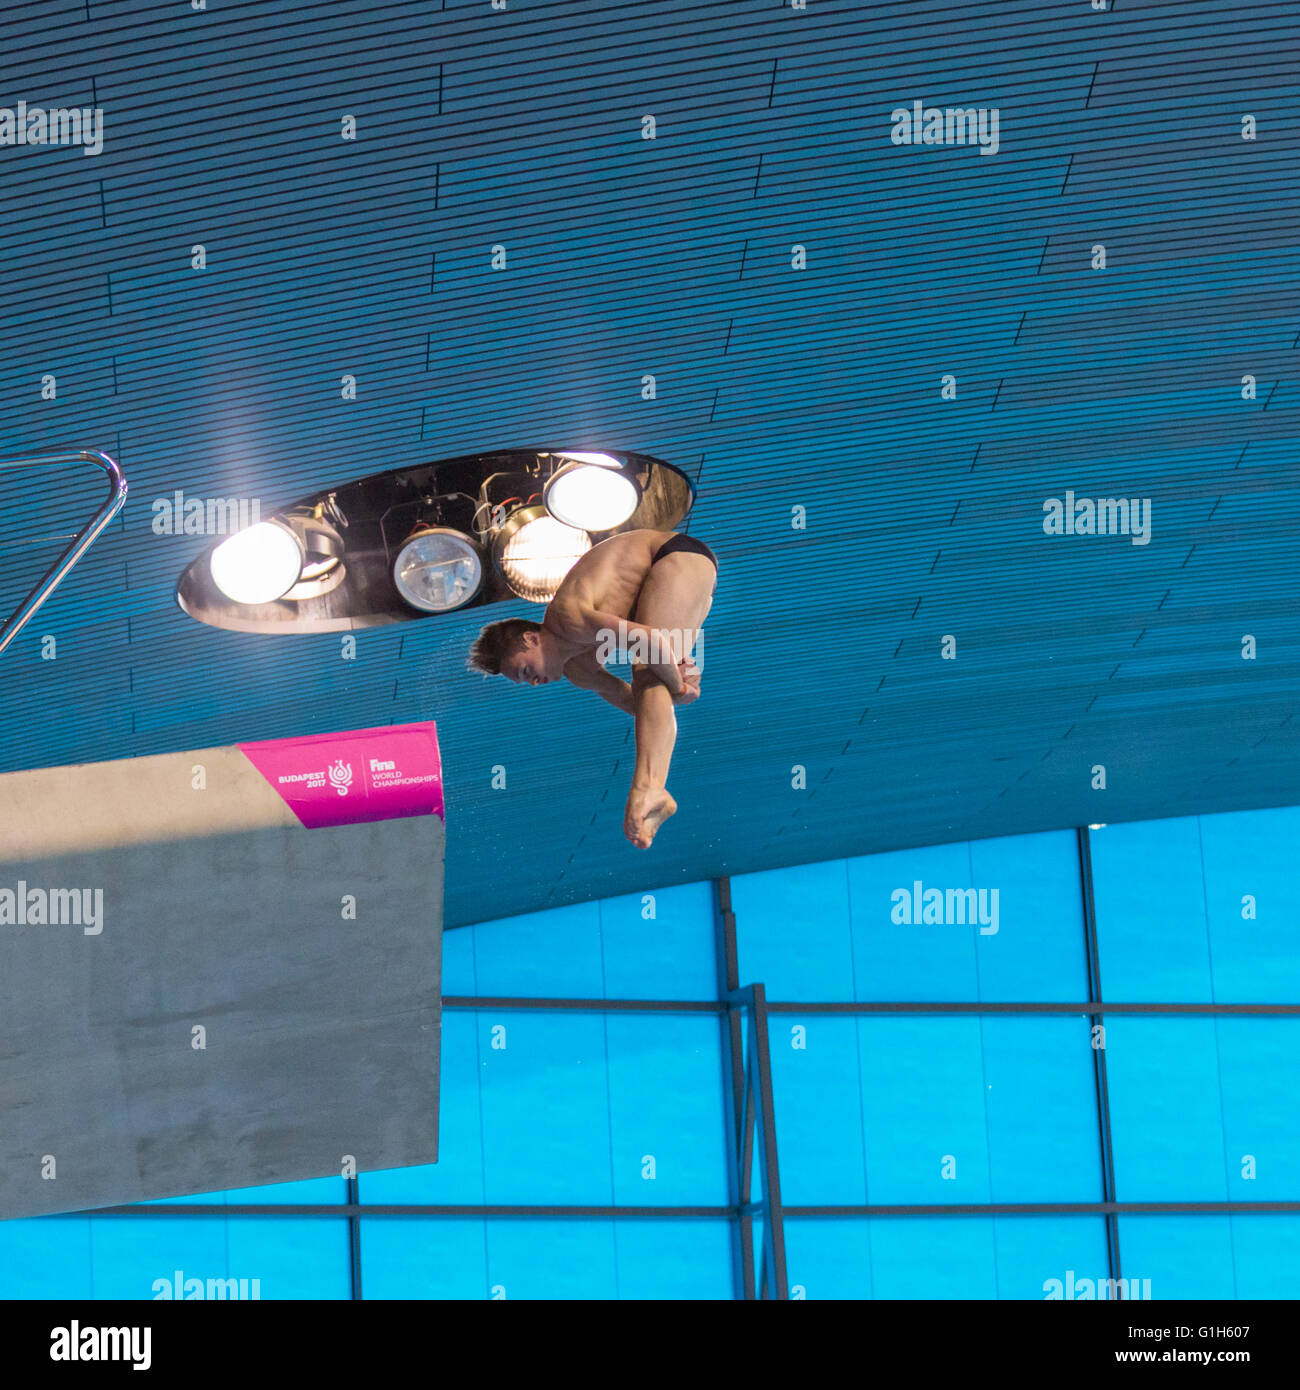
x=606 y=580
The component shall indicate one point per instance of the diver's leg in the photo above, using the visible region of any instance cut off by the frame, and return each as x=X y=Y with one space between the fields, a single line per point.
x=675 y=597
x=649 y=803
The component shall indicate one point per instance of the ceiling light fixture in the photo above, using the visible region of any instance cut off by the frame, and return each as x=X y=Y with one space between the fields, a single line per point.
x=350 y=566
x=295 y=557
x=535 y=551
x=591 y=492
x=258 y=564
x=438 y=569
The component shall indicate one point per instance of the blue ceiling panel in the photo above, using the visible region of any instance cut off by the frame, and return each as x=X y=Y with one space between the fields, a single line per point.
x=831 y=723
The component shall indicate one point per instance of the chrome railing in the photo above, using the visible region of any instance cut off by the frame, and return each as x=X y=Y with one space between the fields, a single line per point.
x=81 y=542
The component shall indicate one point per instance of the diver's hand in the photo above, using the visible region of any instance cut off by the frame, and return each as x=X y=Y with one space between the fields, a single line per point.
x=690 y=691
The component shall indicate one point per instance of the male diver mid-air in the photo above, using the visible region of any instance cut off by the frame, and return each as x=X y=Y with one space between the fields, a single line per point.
x=643 y=592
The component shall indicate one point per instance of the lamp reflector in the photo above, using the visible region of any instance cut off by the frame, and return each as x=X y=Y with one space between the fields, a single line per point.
x=438 y=570
x=535 y=552
x=591 y=496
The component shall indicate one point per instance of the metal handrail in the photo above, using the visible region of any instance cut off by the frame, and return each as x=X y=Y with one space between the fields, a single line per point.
x=80 y=544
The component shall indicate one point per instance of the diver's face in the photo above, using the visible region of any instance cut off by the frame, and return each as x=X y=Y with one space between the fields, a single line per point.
x=527 y=667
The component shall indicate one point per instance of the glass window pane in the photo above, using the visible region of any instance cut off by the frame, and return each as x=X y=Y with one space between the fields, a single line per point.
x=458 y=961
x=1035 y=1253
x=544 y=1087
x=792 y=931
x=291 y=1256
x=817 y=1100
x=1038 y=952
x=666 y=1105
x=539 y=1259
x=1259 y=1064
x=553 y=954
x=669 y=955
x=419 y=1257
x=1250 y=897
x=977 y=1109
x=827 y=1257
x=924 y=1110
x=1041 y=1102
x=674 y=1259
x=894 y=955
x=1166 y=1117
x=933 y=1257
x=46 y=1257
x=133 y=1254
x=1266 y=1255
x=967 y=1257
x=1150 y=907
x=1178 y=1256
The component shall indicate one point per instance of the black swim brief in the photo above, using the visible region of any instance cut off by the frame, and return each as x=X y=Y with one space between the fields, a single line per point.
x=688 y=544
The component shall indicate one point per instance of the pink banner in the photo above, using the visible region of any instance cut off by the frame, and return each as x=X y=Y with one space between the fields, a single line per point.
x=362 y=775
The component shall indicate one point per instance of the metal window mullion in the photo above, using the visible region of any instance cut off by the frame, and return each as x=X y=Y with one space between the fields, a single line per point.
x=733 y=1083
x=354 y=1235
x=1099 y=1054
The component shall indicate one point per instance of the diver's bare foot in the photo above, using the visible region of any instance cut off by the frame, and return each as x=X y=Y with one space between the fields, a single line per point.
x=647 y=809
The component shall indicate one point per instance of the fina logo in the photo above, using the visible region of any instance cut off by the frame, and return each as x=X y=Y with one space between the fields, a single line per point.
x=341 y=777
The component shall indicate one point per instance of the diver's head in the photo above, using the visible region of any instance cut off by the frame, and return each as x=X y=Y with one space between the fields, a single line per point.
x=519 y=650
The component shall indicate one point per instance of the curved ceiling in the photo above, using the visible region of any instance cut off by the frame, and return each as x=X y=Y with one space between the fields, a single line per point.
x=784 y=393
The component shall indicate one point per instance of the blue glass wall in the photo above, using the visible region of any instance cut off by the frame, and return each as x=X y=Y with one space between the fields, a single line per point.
x=911 y=1118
